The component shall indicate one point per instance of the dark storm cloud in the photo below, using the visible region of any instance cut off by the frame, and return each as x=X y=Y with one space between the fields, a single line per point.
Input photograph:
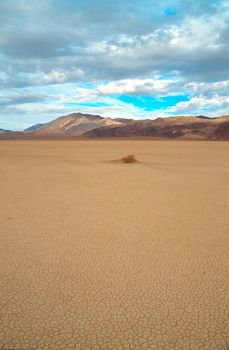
x=44 y=42
x=22 y=97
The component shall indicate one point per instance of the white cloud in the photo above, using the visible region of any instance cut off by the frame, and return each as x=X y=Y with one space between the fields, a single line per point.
x=155 y=86
x=208 y=89
x=214 y=106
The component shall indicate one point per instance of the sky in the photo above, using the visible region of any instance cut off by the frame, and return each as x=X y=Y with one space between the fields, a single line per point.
x=117 y=58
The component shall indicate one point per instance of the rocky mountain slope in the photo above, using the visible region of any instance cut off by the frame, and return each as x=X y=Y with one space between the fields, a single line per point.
x=194 y=128
x=74 y=124
x=94 y=126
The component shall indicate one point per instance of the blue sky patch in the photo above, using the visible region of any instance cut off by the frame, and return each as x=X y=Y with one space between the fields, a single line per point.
x=149 y=103
x=170 y=11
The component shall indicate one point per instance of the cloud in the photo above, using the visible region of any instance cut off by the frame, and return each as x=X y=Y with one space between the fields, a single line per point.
x=70 y=37
x=95 y=51
x=214 y=106
x=21 y=97
x=156 y=87
x=137 y=87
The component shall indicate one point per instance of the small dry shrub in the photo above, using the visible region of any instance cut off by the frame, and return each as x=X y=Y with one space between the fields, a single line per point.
x=130 y=158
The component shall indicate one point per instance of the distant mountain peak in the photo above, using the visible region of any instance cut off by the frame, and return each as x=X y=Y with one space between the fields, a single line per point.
x=4 y=130
x=74 y=124
x=174 y=127
x=203 y=117
x=80 y=115
x=34 y=127
x=95 y=126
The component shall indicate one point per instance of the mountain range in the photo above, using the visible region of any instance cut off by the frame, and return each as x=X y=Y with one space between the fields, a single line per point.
x=79 y=125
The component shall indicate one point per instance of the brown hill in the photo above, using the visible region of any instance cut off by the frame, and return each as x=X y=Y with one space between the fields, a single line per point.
x=74 y=124
x=94 y=126
x=171 y=127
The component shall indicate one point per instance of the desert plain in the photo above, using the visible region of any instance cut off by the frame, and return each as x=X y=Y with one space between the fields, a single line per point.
x=97 y=254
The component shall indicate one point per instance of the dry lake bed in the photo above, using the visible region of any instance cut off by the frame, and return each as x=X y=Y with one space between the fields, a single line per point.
x=96 y=254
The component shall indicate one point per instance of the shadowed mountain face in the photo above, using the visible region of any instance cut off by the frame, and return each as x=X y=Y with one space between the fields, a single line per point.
x=190 y=128
x=94 y=126
x=34 y=127
x=3 y=131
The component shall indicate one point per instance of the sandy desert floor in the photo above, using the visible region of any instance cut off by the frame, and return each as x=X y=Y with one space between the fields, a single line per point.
x=95 y=254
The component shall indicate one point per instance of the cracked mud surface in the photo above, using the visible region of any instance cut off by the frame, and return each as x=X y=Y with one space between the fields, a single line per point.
x=100 y=255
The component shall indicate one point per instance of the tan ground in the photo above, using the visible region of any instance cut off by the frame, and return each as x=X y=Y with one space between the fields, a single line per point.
x=101 y=255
